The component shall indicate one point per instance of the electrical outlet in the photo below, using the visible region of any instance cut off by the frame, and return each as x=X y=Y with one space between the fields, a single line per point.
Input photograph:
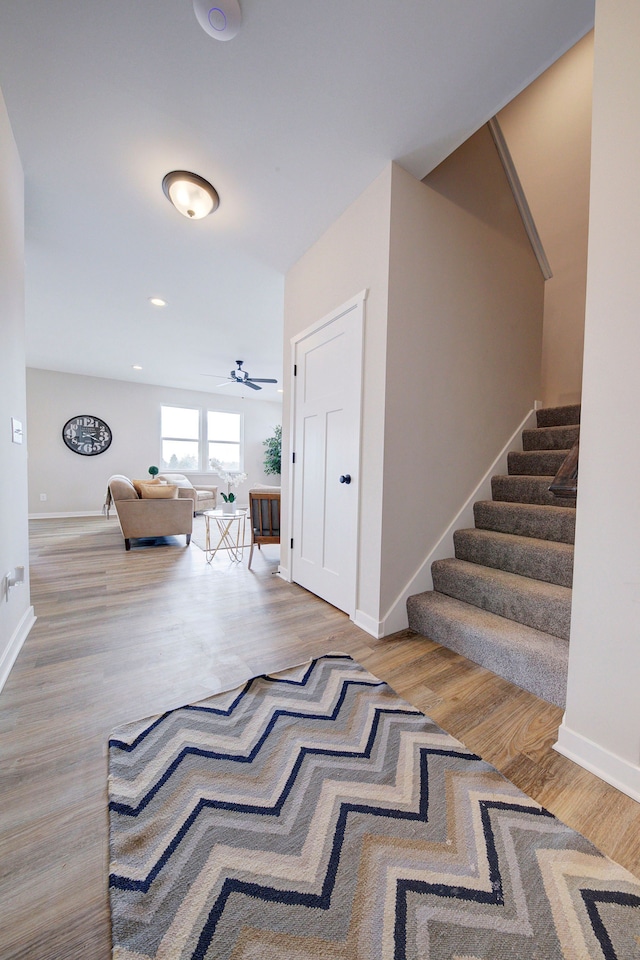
x=43 y=497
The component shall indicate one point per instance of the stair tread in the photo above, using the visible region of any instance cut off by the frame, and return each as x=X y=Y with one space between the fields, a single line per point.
x=548 y=560
x=552 y=546
x=514 y=581
x=536 y=603
x=567 y=414
x=526 y=488
x=550 y=438
x=532 y=659
x=535 y=520
x=535 y=462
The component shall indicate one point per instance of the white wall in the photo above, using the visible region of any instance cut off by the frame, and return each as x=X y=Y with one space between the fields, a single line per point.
x=353 y=255
x=601 y=728
x=548 y=132
x=76 y=484
x=463 y=347
x=16 y=615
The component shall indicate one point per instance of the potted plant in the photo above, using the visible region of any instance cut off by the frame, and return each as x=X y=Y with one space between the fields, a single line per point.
x=231 y=480
x=273 y=452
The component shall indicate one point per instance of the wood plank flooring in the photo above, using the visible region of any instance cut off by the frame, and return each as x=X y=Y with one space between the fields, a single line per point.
x=121 y=636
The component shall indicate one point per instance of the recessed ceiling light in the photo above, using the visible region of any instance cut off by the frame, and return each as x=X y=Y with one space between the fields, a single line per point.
x=136 y=366
x=280 y=391
x=157 y=301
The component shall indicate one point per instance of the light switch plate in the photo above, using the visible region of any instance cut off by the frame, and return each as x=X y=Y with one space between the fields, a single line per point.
x=16 y=430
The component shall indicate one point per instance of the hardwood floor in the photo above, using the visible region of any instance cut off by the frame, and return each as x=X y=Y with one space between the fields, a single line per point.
x=121 y=636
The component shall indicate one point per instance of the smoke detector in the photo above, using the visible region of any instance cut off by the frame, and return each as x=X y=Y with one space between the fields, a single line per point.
x=219 y=18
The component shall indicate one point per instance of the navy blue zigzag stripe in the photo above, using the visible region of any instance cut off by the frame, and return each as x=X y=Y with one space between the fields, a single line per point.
x=494 y=896
x=128 y=810
x=322 y=900
x=592 y=898
x=125 y=883
x=129 y=747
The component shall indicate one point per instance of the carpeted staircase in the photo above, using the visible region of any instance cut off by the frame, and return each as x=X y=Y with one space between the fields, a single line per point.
x=505 y=600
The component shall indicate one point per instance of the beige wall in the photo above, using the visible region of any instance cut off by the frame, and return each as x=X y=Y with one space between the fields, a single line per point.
x=16 y=615
x=548 y=132
x=452 y=350
x=351 y=256
x=463 y=346
x=76 y=484
x=601 y=728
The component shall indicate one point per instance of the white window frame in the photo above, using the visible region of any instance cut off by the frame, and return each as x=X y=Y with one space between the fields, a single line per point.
x=203 y=439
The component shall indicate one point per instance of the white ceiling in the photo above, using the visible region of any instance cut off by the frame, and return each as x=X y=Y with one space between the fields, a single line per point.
x=290 y=121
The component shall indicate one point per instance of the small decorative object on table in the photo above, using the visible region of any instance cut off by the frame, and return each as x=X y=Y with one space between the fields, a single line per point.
x=154 y=472
x=231 y=480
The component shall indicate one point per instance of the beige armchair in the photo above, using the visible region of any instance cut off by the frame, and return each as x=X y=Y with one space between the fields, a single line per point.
x=204 y=497
x=264 y=513
x=152 y=517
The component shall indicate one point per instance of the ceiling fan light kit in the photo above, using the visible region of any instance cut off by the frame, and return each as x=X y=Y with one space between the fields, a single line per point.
x=221 y=19
x=192 y=196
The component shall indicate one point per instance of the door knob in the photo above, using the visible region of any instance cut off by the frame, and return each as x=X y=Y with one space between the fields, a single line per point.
x=345 y=478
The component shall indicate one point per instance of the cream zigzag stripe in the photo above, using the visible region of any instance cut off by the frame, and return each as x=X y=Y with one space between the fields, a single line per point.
x=305 y=867
x=399 y=794
x=229 y=744
x=556 y=866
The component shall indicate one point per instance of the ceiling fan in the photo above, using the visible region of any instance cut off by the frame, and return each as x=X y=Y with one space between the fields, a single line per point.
x=242 y=377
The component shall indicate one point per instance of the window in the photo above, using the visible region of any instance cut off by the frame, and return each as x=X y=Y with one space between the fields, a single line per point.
x=191 y=438
x=223 y=432
x=180 y=429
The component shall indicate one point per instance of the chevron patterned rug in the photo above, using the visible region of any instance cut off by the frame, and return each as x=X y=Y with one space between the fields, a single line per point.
x=315 y=814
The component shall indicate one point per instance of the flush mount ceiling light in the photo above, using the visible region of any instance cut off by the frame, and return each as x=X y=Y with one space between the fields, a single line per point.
x=221 y=19
x=191 y=195
x=157 y=301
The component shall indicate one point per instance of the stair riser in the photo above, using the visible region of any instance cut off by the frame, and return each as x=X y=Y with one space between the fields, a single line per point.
x=554 y=438
x=550 y=562
x=526 y=520
x=542 y=463
x=526 y=490
x=558 y=416
x=551 y=614
x=541 y=669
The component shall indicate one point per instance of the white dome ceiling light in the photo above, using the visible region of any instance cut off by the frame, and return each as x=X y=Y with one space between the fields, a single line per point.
x=191 y=195
x=219 y=18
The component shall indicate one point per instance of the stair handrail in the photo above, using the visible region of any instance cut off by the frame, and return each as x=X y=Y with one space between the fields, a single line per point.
x=565 y=482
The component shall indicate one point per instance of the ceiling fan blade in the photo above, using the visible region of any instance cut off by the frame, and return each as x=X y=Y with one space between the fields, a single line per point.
x=250 y=383
x=216 y=375
x=263 y=380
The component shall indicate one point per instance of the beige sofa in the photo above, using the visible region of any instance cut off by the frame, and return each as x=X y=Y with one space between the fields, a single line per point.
x=140 y=516
x=204 y=497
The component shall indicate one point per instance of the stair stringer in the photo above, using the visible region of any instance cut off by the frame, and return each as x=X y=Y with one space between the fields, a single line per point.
x=396 y=617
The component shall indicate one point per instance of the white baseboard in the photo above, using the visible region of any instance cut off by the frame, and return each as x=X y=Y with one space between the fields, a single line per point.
x=284 y=573
x=396 y=617
x=369 y=624
x=61 y=516
x=14 y=646
x=621 y=774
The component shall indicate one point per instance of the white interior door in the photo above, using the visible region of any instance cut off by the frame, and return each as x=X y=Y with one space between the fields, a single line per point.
x=327 y=410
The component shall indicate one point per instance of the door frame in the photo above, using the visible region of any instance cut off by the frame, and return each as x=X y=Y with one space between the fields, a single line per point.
x=355 y=306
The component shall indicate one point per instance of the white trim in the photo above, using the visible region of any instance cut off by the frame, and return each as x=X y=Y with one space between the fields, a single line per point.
x=396 y=617
x=20 y=634
x=611 y=768
x=369 y=624
x=355 y=303
x=61 y=516
x=520 y=197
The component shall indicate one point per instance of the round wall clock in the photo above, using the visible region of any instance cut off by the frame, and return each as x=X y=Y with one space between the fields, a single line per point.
x=86 y=435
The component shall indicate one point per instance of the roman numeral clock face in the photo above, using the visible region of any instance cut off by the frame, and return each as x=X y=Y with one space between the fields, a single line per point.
x=86 y=435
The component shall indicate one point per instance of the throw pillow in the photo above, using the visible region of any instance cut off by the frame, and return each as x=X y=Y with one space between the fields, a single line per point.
x=158 y=491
